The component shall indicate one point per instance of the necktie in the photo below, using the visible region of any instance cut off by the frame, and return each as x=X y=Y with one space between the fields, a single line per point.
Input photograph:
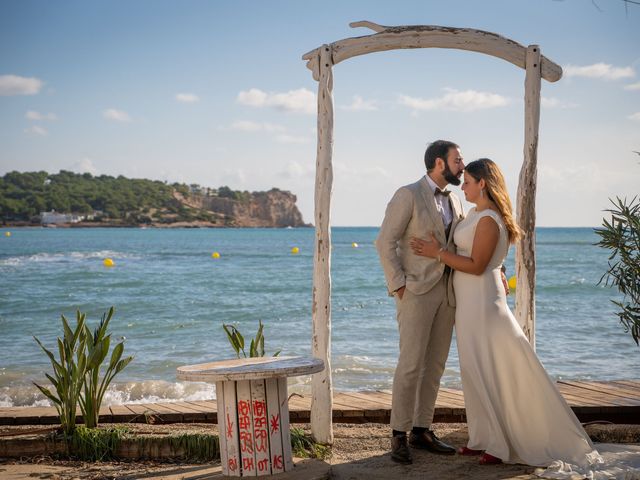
x=444 y=193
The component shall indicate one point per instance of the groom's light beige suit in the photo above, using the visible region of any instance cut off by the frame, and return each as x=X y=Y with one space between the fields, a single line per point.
x=425 y=313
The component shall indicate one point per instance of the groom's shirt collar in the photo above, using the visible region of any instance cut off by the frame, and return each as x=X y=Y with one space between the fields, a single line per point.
x=432 y=184
x=442 y=203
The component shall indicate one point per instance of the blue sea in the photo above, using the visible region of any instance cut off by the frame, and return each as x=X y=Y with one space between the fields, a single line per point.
x=172 y=298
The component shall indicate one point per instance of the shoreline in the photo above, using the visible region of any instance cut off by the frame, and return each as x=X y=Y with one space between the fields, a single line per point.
x=196 y=224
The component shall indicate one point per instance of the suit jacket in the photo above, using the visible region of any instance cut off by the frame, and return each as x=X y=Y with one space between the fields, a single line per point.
x=412 y=213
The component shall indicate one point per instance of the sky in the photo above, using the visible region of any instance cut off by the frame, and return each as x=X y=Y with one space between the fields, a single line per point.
x=216 y=93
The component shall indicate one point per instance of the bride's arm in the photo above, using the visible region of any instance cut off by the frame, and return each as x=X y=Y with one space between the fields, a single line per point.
x=484 y=244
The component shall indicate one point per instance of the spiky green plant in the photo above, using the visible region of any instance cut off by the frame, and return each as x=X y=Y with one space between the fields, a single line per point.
x=236 y=339
x=97 y=349
x=96 y=444
x=304 y=446
x=197 y=446
x=76 y=374
x=621 y=236
x=68 y=372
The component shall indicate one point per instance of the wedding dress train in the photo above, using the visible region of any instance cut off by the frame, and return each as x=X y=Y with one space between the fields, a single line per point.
x=514 y=410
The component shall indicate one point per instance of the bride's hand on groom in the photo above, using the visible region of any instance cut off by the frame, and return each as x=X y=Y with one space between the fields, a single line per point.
x=425 y=248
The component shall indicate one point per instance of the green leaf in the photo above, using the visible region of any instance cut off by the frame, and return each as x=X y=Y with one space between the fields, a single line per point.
x=47 y=393
x=116 y=354
x=49 y=354
x=68 y=334
x=54 y=382
x=240 y=338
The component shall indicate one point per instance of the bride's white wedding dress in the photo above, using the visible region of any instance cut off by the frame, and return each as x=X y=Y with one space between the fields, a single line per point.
x=514 y=411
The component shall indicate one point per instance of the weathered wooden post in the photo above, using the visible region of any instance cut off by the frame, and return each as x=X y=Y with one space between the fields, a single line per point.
x=526 y=202
x=322 y=394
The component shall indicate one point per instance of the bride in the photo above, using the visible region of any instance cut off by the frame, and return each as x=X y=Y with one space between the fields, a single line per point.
x=515 y=414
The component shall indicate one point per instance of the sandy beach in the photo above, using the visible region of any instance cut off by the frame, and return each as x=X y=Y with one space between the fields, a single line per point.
x=359 y=451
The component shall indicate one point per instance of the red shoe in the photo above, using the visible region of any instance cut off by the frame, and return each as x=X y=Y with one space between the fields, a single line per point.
x=469 y=451
x=487 y=459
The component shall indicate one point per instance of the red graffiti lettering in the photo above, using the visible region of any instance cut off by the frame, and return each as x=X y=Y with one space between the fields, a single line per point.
x=244 y=422
x=246 y=443
x=261 y=440
x=277 y=462
x=259 y=422
x=263 y=465
x=275 y=423
x=243 y=407
x=229 y=427
x=259 y=408
x=247 y=464
x=233 y=464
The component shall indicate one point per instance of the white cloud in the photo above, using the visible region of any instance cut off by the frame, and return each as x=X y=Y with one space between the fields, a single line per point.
x=296 y=170
x=116 y=115
x=594 y=178
x=16 y=85
x=284 y=138
x=253 y=98
x=249 y=126
x=187 y=98
x=599 y=70
x=298 y=101
x=635 y=117
x=37 y=130
x=84 y=165
x=552 y=102
x=233 y=177
x=360 y=105
x=633 y=86
x=351 y=174
x=33 y=115
x=457 y=101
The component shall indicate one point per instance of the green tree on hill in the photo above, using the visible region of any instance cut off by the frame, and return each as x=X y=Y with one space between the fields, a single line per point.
x=23 y=196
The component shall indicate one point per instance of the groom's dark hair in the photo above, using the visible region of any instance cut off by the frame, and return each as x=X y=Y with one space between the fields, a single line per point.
x=437 y=149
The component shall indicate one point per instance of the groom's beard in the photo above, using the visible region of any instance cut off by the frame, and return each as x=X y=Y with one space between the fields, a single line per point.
x=449 y=176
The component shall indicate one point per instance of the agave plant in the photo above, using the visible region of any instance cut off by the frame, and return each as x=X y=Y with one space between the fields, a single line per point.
x=236 y=339
x=76 y=374
x=68 y=372
x=97 y=349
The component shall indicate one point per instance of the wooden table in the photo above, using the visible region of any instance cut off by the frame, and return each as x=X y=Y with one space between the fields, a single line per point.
x=253 y=410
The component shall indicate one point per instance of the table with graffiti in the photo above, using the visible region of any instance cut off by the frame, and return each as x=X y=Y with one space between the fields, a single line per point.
x=253 y=410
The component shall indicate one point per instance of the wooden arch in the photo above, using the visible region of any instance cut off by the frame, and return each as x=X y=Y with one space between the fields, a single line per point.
x=320 y=61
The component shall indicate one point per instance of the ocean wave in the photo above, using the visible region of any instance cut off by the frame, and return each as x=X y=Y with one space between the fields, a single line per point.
x=151 y=391
x=148 y=391
x=65 y=257
x=22 y=396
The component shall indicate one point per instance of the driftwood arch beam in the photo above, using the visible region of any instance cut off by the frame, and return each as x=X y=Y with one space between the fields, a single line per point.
x=321 y=61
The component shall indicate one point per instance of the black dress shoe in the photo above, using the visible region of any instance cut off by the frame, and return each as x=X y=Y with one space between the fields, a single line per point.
x=429 y=441
x=399 y=451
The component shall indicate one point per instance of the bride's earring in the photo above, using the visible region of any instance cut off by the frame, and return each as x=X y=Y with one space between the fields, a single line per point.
x=481 y=193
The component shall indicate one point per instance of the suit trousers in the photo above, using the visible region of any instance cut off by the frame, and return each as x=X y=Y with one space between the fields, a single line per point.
x=425 y=323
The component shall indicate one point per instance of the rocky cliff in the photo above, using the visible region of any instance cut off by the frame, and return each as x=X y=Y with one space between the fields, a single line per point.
x=275 y=208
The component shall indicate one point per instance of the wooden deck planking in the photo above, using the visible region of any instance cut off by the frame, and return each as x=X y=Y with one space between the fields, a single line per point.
x=615 y=394
x=582 y=396
x=614 y=401
x=630 y=384
x=370 y=397
x=620 y=390
x=574 y=399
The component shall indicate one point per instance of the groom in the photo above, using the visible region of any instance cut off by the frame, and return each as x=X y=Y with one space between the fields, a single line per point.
x=423 y=291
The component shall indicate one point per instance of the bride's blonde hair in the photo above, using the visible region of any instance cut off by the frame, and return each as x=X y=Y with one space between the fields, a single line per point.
x=496 y=189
